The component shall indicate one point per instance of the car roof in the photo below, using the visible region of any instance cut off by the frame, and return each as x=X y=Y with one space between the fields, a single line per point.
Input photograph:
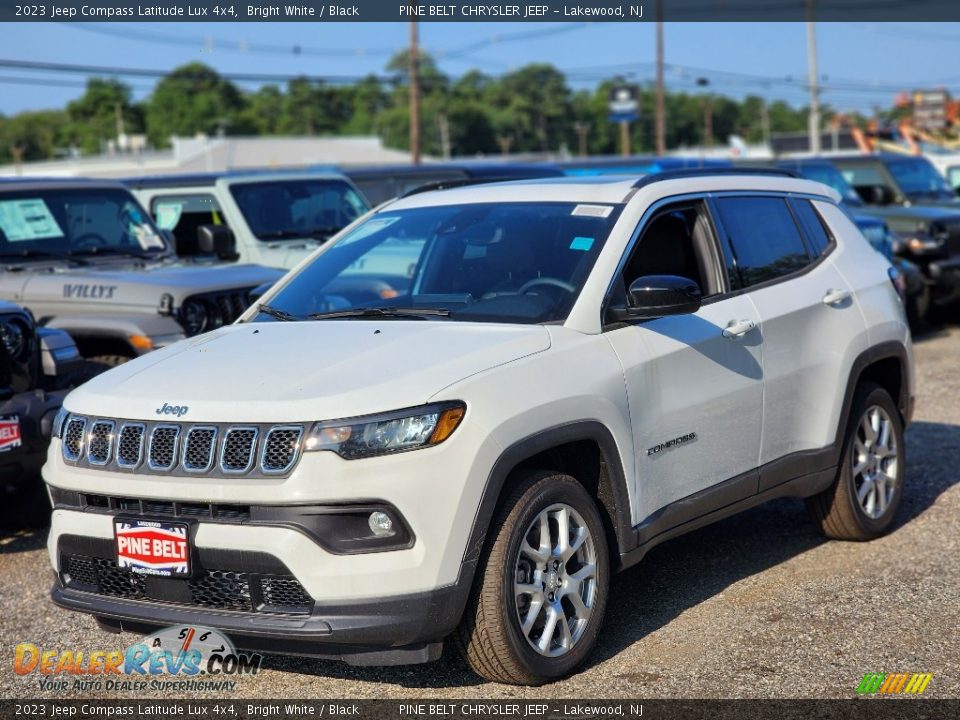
x=614 y=189
x=476 y=169
x=210 y=178
x=28 y=183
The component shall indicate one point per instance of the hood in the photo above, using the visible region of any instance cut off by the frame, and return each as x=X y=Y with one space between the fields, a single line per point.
x=303 y=371
x=131 y=286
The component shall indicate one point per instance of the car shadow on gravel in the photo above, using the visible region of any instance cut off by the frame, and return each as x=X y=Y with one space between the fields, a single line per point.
x=13 y=541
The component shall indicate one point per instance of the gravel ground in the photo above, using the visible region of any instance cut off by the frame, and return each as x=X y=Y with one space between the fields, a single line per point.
x=758 y=605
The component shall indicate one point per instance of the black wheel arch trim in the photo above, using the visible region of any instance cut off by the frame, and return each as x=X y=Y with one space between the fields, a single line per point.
x=616 y=507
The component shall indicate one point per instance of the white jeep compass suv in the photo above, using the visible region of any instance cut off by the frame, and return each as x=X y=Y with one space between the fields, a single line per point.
x=468 y=410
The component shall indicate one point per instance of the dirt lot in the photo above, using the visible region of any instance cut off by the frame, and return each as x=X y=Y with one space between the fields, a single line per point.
x=756 y=606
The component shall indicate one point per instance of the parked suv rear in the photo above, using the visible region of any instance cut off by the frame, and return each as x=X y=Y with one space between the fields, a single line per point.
x=567 y=373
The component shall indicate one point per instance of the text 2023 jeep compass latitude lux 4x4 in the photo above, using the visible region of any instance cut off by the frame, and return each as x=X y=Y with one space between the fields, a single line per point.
x=568 y=372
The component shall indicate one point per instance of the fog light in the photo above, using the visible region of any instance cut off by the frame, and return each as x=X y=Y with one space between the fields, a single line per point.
x=380 y=524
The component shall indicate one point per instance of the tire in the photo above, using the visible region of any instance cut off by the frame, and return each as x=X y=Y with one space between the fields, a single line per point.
x=490 y=636
x=838 y=510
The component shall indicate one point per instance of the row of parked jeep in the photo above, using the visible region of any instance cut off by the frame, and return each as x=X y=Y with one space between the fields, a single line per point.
x=94 y=273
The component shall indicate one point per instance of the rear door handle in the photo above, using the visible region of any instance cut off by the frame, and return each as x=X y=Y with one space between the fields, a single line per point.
x=738 y=328
x=835 y=297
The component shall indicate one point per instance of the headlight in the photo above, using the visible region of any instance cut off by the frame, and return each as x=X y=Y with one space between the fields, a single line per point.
x=14 y=339
x=399 y=431
x=194 y=317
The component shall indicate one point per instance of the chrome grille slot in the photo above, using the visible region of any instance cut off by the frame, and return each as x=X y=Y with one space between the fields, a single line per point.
x=100 y=442
x=145 y=447
x=198 y=449
x=130 y=445
x=73 y=438
x=280 y=449
x=238 y=447
x=162 y=454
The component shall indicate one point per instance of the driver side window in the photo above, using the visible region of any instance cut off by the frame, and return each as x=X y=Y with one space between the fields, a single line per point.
x=678 y=240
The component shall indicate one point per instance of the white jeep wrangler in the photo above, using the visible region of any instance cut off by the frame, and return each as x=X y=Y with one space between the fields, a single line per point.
x=563 y=374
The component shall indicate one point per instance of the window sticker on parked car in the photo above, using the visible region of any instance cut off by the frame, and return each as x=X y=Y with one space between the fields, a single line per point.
x=27 y=219
x=581 y=243
x=600 y=211
x=371 y=226
x=168 y=214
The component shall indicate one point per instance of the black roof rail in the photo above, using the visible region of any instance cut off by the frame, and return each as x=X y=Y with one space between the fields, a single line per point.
x=455 y=183
x=702 y=172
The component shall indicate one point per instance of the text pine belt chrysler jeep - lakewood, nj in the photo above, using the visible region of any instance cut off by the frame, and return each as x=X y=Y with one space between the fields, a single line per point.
x=567 y=372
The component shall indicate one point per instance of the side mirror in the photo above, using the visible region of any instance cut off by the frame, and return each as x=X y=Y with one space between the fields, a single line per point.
x=217 y=240
x=170 y=239
x=58 y=353
x=656 y=296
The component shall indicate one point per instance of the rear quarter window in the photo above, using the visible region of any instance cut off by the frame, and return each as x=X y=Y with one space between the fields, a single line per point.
x=813 y=225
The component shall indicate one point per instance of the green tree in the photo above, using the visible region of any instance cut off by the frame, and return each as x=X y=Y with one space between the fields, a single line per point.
x=194 y=99
x=98 y=114
x=33 y=135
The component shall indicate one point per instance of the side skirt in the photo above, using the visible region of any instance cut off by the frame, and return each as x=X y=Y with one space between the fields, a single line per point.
x=728 y=498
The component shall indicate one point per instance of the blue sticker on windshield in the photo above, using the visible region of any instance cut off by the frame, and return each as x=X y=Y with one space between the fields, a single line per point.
x=581 y=243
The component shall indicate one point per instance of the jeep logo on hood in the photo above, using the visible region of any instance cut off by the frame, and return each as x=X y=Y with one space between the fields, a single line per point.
x=178 y=410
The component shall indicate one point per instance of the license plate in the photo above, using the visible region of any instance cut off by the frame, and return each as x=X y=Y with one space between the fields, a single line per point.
x=151 y=547
x=10 y=436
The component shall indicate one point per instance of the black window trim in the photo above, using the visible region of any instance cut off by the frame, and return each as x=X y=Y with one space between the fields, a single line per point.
x=648 y=216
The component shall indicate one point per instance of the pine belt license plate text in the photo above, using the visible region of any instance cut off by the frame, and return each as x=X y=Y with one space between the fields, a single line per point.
x=152 y=548
x=10 y=437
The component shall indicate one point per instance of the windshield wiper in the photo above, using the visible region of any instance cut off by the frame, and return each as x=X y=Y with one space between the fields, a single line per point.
x=33 y=253
x=382 y=312
x=277 y=313
x=106 y=251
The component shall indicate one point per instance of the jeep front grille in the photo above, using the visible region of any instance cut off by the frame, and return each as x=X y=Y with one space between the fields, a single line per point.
x=222 y=450
x=237 y=453
x=73 y=438
x=130 y=445
x=163 y=447
x=100 y=442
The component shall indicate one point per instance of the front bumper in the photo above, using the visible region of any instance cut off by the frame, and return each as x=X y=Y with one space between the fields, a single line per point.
x=36 y=411
x=385 y=631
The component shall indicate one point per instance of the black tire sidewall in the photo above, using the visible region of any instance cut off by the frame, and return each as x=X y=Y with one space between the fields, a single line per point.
x=873 y=395
x=550 y=491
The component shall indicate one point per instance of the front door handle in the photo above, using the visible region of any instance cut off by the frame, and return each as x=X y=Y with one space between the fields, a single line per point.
x=835 y=297
x=738 y=328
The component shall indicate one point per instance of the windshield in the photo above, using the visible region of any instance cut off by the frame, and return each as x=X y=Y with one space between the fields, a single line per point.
x=82 y=221
x=503 y=262
x=831 y=177
x=917 y=178
x=300 y=208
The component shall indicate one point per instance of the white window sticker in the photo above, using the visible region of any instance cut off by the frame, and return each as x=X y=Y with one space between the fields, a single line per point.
x=168 y=215
x=600 y=211
x=27 y=219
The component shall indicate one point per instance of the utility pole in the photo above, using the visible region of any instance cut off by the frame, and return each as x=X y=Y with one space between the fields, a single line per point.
x=625 y=138
x=707 y=113
x=660 y=112
x=813 y=82
x=765 y=123
x=582 y=128
x=414 y=62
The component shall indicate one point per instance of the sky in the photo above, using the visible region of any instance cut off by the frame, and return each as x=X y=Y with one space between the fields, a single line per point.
x=861 y=65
